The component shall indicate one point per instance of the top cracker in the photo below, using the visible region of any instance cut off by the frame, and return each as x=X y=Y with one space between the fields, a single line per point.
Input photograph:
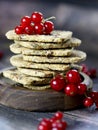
x=55 y=36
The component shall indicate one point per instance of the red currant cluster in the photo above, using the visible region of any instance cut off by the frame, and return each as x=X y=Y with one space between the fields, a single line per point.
x=94 y=96
x=35 y=24
x=54 y=123
x=91 y=99
x=72 y=85
x=92 y=72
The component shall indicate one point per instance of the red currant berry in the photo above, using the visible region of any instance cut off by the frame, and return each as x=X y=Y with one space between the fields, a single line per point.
x=71 y=90
x=29 y=30
x=25 y=21
x=42 y=127
x=19 y=30
x=88 y=102
x=64 y=123
x=58 y=115
x=58 y=83
x=53 y=119
x=59 y=125
x=94 y=96
x=92 y=73
x=37 y=17
x=73 y=76
x=49 y=26
x=38 y=28
x=84 y=68
x=45 y=124
x=82 y=88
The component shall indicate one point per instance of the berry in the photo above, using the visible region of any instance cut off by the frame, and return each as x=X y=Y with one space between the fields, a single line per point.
x=29 y=30
x=43 y=127
x=19 y=30
x=45 y=124
x=84 y=68
x=88 y=102
x=73 y=76
x=38 y=28
x=25 y=21
x=59 y=125
x=49 y=26
x=37 y=17
x=58 y=83
x=92 y=73
x=71 y=90
x=82 y=88
x=53 y=119
x=58 y=115
x=34 y=25
x=94 y=95
x=54 y=123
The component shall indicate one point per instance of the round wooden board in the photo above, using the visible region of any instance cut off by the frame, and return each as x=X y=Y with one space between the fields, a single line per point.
x=15 y=96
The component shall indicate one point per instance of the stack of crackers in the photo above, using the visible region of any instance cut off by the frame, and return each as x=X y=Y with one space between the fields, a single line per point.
x=40 y=57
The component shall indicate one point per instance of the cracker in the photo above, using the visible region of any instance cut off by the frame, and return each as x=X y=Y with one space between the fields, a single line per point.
x=73 y=42
x=56 y=36
x=18 y=49
x=16 y=76
x=36 y=73
x=18 y=61
x=77 y=56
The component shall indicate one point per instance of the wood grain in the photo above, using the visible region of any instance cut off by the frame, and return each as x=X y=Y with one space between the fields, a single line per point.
x=15 y=96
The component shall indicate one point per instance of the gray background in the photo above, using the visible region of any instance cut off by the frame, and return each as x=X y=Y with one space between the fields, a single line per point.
x=78 y=16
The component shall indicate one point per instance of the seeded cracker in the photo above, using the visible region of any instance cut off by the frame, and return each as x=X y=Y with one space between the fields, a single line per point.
x=18 y=61
x=72 y=42
x=18 y=49
x=76 y=56
x=16 y=76
x=56 y=36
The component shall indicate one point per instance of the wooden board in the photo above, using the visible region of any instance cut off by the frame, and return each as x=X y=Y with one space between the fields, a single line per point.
x=15 y=96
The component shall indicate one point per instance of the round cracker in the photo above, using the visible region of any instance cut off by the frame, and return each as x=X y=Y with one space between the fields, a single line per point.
x=77 y=56
x=56 y=36
x=16 y=76
x=72 y=42
x=36 y=73
x=18 y=49
x=18 y=61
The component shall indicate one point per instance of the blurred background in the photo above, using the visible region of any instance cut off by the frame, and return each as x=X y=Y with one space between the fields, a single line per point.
x=78 y=16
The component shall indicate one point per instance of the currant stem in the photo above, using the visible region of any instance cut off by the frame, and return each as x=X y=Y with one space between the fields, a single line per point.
x=50 y=18
x=32 y=24
x=85 y=95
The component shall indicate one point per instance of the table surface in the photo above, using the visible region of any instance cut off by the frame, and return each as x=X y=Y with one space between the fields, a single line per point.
x=11 y=119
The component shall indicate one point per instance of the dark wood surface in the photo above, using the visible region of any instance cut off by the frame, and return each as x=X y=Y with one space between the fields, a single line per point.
x=14 y=95
x=12 y=119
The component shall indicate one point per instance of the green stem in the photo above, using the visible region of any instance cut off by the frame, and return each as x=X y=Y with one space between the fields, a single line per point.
x=50 y=18
x=85 y=95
